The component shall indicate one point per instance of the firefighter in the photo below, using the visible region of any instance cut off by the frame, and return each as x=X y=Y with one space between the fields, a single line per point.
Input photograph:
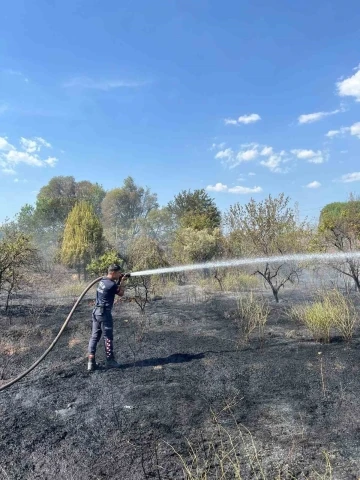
x=102 y=321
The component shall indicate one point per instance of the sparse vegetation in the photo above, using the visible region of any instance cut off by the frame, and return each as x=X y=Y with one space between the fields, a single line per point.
x=251 y=313
x=198 y=349
x=332 y=310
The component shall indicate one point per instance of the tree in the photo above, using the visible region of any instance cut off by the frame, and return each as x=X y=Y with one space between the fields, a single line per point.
x=92 y=193
x=123 y=210
x=100 y=265
x=197 y=204
x=145 y=253
x=269 y=228
x=159 y=225
x=196 y=246
x=83 y=238
x=339 y=227
x=17 y=255
x=56 y=199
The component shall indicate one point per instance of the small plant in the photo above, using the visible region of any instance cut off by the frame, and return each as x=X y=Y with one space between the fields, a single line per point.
x=71 y=289
x=141 y=289
x=239 y=281
x=252 y=312
x=333 y=310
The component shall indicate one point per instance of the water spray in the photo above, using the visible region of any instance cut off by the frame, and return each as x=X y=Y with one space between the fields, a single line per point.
x=238 y=262
x=320 y=257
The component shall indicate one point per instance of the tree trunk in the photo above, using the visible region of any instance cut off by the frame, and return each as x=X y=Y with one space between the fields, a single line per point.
x=357 y=282
x=275 y=292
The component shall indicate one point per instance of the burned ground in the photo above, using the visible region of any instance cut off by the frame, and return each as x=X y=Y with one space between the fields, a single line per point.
x=184 y=378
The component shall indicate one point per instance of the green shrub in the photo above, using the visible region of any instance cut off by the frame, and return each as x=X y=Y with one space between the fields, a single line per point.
x=332 y=310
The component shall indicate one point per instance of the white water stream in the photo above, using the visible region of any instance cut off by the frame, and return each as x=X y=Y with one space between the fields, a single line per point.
x=312 y=257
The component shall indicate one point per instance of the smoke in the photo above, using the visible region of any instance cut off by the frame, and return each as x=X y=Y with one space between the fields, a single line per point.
x=312 y=257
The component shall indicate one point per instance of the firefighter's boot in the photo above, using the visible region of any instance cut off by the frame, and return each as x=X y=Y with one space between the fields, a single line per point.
x=112 y=363
x=92 y=365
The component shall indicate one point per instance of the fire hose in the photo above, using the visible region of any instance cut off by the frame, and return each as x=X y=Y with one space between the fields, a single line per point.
x=64 y=325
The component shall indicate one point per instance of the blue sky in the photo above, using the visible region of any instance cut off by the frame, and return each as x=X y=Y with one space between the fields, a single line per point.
x=242 y=98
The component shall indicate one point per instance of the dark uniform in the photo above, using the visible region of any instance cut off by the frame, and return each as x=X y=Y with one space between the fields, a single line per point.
x=102 y=321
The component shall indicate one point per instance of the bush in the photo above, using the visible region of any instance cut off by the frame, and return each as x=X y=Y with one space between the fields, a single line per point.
x=100 y=265
x=252 y=312
x=232 y=281
x=333 y=310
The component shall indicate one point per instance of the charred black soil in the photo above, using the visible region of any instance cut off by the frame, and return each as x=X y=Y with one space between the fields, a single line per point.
x=184 y=377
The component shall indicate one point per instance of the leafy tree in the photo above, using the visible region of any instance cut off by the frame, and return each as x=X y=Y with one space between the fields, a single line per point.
x=339 y=227
x=195 y=246
x=197 y=204
x=159 y=225
x=146 y=253
x=92 y=193
x=83 y=238
x=269 y=228
x=100 y=265
x=17 y=255
x=56 y=199
x=123 y=210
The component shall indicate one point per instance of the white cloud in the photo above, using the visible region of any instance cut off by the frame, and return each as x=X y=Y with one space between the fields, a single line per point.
x=245 y=190
x=29 y=155
x=273 y=163
x=51 y=161
x=14 y=157
x=33 y=145
x=5 y=145
x=250 y=152
x=355 y=129
x=350 y=177
x=266 y=151
x=85 y=82
x=244 y=119
x=314 y=184
x=253 y=117
x=220 y=187
x=247 y=155
x=228 y=153
x=315 y=117
x=218 y=146
x=332 y=133
x=350 y=87
x=309 y=155
x=251 y=174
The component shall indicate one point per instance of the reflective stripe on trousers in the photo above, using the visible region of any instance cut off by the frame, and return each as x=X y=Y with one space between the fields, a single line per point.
x=102 y=323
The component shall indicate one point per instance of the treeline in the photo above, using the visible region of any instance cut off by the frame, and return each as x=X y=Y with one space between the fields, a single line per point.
x=84 y=227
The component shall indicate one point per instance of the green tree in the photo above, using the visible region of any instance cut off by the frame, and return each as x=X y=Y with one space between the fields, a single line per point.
x=146 y=253
x=83 y=238
x=269 y=228
x=159 y=225
x=100 y=265
x=56 y=199
x=197 y=209
x=123 y=210
x=339 y=228
x=17 y=256
x=196 y=246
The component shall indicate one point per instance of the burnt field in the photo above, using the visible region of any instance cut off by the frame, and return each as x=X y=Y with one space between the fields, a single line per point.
x=190 y=401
